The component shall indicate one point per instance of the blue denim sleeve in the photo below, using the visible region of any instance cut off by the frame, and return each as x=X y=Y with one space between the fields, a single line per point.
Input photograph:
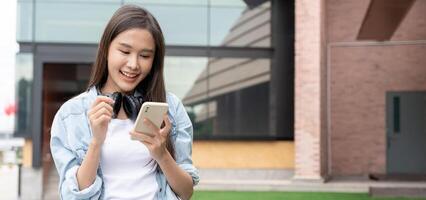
x=67 y=165
x=183 y=143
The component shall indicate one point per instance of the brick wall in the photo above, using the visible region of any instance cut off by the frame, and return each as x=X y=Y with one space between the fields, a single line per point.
x=351 y=77
x=360 y=77
x=360 y=74
x=309 y=89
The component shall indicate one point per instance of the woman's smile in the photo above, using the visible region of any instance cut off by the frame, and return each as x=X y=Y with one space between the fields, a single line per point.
x=129 y=75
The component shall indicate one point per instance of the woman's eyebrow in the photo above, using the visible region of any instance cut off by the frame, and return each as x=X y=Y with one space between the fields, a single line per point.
x=130 y=47
x=125 y=45
x=148 y=50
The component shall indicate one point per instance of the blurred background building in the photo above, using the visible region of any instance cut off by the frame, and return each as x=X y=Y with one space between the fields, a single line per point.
x=276 y=90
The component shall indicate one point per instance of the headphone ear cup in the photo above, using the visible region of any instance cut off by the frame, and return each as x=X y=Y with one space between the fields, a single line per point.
x=130 y=106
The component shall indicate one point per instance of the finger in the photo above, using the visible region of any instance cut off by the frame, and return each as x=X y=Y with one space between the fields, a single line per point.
x=166 y=130
x=106 y=106
x=102 y=119
x=141 y=137
x=103 y=105
x=99 y=106
x=102 y=99
x=101 y=111
x=151 y=125
x=99 y=102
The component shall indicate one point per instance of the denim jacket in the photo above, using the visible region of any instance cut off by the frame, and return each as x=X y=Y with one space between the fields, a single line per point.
x=71 y=135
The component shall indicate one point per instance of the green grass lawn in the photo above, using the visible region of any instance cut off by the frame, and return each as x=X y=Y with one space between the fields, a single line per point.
x=229 y=195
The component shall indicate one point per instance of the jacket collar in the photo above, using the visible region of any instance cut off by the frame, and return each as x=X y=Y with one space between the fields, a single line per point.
x=90 y=96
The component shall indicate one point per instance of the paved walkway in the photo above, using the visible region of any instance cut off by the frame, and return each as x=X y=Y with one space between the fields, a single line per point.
x=276 y=181
x=51 y=186
x=353 y=186
x=8 y=182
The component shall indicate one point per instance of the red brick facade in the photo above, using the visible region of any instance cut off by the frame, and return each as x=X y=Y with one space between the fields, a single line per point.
x=341 y=85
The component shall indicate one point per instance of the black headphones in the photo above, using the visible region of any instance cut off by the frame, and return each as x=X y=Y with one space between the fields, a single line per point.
x=131 y=103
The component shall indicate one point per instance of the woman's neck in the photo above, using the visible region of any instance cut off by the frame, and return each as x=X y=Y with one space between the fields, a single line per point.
x=106 y=90
x=122 y=114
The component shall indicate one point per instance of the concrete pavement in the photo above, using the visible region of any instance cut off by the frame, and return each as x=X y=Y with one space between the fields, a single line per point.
x=9 y=182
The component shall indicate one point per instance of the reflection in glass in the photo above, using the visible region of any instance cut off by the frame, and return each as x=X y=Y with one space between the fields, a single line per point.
x=222 y=19
x=230 y=99
x=24 y=81
x=180 y=73
x=80 y=1
x=182 y=77
x=186 y=22
x=181 y=25
x=242 y=28
x=170 y=2
x=72 y=21
x=202 y=119
x=24 y=28
x=225 y=97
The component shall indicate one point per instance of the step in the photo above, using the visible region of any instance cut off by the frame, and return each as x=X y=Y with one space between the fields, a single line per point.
x=386 y=191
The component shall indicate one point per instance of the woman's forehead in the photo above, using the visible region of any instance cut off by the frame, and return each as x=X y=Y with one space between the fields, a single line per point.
x=135 y=38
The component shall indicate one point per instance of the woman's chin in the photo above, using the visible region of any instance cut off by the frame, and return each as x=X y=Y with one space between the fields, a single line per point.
x=127 y=88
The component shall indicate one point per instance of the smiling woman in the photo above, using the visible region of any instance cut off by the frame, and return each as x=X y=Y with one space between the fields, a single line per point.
x=130 y=58
x=96 y=151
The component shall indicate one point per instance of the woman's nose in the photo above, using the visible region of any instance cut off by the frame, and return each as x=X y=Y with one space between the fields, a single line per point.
x=132 y=62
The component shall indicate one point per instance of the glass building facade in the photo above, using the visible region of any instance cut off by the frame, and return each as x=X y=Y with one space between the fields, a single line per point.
x=219 y=62
x=184 y=22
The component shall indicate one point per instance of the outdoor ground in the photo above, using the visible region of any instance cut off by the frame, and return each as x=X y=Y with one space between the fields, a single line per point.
x=210 y=195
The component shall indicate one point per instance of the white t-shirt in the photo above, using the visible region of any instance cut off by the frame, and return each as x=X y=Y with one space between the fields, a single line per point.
x=129 y=171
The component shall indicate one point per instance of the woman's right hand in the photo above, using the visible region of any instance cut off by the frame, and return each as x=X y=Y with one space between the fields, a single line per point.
x=100 y=114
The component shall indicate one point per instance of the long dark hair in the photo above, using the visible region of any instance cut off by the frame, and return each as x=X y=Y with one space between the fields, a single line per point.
x=125 y=18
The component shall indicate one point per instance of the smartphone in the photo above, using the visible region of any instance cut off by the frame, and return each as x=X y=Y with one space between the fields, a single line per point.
x=154 y=111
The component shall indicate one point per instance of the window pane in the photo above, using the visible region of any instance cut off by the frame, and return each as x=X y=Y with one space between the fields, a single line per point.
x=181 y=73
x=240 y=26
x=222 y=20
x=24 y=29
x=215 y=22
x=60 y=22
x=229 y=3
x=190 y=28
x=169 y=2
x=234 y=99
x=202 y=116
x=184 y=78
x=80 y=1
x=24 y=81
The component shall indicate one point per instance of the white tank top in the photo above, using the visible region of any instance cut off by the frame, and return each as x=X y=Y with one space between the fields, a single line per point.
x=129 y=171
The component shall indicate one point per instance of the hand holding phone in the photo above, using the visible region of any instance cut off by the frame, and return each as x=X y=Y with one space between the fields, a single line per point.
x=154 y=111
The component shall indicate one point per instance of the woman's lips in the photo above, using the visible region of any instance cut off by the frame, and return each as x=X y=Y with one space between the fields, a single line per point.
x=129 y=76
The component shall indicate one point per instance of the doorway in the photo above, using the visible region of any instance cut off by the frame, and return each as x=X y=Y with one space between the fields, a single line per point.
x=406 y=132
x=61 y=82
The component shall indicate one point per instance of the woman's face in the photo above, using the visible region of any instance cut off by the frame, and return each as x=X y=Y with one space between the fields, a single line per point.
x=130 y=59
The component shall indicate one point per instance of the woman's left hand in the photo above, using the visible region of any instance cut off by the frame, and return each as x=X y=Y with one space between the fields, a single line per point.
x=156 y=144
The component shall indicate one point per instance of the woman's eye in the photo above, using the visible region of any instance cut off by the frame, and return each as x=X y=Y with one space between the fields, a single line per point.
x=124 y=52
x=145 y=56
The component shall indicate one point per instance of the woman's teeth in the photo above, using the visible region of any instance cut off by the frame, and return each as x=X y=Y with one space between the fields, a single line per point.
x=128 y=74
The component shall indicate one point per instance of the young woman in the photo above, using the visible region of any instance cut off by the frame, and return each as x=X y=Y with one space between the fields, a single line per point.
x=95 y=152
